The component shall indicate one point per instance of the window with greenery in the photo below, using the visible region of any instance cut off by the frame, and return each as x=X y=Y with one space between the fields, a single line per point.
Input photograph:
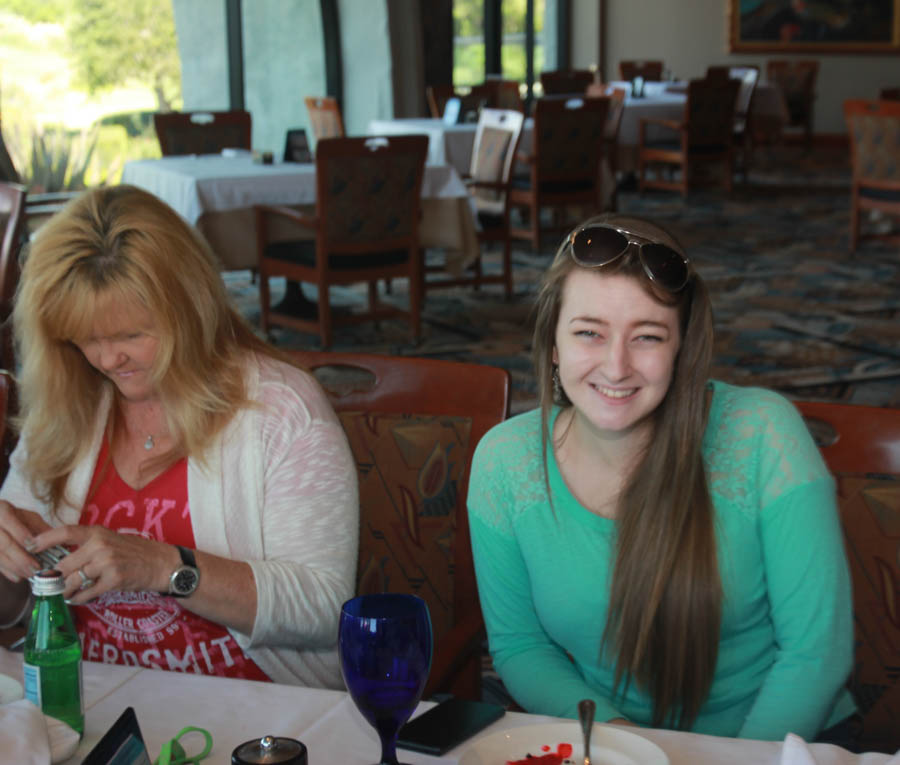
x=79 y=83
x=468 y=42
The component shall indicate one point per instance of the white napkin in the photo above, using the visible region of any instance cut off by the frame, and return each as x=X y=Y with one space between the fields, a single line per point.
x=795 y=751
x=28 y=737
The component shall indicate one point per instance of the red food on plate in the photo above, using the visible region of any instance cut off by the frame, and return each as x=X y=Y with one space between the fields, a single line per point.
x=563 y=751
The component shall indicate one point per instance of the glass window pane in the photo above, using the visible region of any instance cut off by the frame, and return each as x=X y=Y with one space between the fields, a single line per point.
x=80 y=82
x=284 y=61
x=468 y=42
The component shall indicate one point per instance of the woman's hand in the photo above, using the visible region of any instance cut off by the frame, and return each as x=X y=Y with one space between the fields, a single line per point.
x=18 y=529
x=102 y=560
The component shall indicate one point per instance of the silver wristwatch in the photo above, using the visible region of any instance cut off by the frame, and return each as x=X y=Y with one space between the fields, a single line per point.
x=184 y=579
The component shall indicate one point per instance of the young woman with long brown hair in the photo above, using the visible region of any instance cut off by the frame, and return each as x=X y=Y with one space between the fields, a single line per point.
x=663 y=544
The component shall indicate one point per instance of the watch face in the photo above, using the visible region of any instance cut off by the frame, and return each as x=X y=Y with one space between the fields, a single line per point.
x=184 y=581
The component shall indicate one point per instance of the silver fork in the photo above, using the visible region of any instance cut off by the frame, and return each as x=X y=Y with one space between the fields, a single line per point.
x=586 y=709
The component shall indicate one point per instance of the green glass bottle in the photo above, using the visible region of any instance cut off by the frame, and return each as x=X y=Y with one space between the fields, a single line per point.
x=53 y=653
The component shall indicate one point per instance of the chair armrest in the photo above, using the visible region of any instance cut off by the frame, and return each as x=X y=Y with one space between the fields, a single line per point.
x=496 y=185
x=672 y=124
x=282 y=211
x=453 y=650
x=528 y=159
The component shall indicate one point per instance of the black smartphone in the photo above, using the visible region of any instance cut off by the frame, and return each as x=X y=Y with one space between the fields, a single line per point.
x=447 y=725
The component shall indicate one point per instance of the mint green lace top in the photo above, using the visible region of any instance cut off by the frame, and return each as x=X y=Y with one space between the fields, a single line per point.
x=786 y=640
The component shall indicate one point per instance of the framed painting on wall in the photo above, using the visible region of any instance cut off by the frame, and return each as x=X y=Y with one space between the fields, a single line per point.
x=815 y=26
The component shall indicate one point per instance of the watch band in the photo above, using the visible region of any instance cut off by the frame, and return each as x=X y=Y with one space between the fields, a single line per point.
x=187 y=556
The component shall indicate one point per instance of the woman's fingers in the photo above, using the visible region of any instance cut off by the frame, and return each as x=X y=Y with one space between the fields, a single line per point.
x=17 y=542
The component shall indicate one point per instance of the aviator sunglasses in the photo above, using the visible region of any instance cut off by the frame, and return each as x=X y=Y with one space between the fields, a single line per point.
x=600 y=244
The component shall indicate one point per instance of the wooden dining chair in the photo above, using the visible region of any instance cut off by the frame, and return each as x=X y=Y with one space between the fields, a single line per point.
x=797 y=80
x=413 y=425
x=874 y=131
x=566 y=81
x=564 y=164
x=365 y=228
x=650 y=71
x=493 y=154
x=12 y=236
x=505 y=94
x=437 y=97
x=325 y=117
x=861 y=446
x=703 y=136
x=202 y=132
x=617 y=96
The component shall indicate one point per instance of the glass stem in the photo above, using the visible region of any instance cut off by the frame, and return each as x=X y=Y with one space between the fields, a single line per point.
x=389 y=750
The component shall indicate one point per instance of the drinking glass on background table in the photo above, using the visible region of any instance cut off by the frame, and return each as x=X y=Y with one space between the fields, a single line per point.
x=385 y=646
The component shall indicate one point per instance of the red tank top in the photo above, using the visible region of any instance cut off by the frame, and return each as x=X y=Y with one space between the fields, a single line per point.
x=149 y=629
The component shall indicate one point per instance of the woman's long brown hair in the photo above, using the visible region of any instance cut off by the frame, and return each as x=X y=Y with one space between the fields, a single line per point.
x=665 y=604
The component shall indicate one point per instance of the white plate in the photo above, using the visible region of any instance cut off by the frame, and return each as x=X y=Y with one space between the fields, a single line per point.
x=610 y=745
x=10 y=689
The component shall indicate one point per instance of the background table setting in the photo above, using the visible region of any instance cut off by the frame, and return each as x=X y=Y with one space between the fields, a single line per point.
x=217 y=193
x=331 y=727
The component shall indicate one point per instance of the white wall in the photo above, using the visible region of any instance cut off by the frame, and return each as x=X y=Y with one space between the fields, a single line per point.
x=689 y=35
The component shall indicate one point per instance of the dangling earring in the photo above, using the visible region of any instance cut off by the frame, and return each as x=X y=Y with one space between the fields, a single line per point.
x=557 y=385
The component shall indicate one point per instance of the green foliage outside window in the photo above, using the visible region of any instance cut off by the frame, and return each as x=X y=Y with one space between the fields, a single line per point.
x=71 y=80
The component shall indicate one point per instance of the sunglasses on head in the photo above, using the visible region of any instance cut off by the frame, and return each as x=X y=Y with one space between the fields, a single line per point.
x=600 y=244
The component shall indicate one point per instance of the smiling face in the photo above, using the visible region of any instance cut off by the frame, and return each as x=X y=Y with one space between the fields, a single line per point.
x=122 y=345
x=616 y=348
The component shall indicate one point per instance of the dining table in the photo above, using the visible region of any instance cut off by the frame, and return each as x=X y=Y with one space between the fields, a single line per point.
x=216 y=193
x=237 y=711
x=453 y=143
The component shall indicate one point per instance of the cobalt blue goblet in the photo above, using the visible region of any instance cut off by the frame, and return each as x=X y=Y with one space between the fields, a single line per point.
x=385 y=646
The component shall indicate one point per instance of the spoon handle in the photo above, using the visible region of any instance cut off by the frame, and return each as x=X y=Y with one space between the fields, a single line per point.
x=586 y=709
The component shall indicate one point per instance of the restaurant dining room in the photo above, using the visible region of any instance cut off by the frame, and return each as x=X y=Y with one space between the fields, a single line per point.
x=528 y=372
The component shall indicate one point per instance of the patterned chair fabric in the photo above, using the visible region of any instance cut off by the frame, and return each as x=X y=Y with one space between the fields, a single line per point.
x=409 y=468
x=413 y=424
x=861 y=446
x=181 y=133
x=874 y=130
x=370 y=197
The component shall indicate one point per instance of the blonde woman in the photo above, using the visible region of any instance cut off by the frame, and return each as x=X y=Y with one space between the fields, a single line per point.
x=663 y=544
x=204 y=486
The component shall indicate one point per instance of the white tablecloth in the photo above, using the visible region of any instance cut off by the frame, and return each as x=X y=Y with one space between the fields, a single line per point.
x=217 y=195
x=447 y=144
x=235 y=711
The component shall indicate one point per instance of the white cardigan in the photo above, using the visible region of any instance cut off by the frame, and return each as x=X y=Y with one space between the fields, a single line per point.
x=279 y=491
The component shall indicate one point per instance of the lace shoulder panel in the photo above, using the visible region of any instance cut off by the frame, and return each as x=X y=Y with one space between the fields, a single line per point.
x=507 y=471
x=757 y=447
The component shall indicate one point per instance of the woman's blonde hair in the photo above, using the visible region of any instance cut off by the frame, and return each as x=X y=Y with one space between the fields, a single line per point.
x=666 y=594
x=112 y=247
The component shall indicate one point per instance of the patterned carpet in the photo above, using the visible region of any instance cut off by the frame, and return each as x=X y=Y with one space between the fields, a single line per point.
x=793 y=310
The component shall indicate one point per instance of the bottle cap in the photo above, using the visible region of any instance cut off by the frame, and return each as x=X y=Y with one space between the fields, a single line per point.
x=287 y=751
x=49 y=582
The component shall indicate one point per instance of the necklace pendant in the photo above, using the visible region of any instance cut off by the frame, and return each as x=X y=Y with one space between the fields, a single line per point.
x=148 y=444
